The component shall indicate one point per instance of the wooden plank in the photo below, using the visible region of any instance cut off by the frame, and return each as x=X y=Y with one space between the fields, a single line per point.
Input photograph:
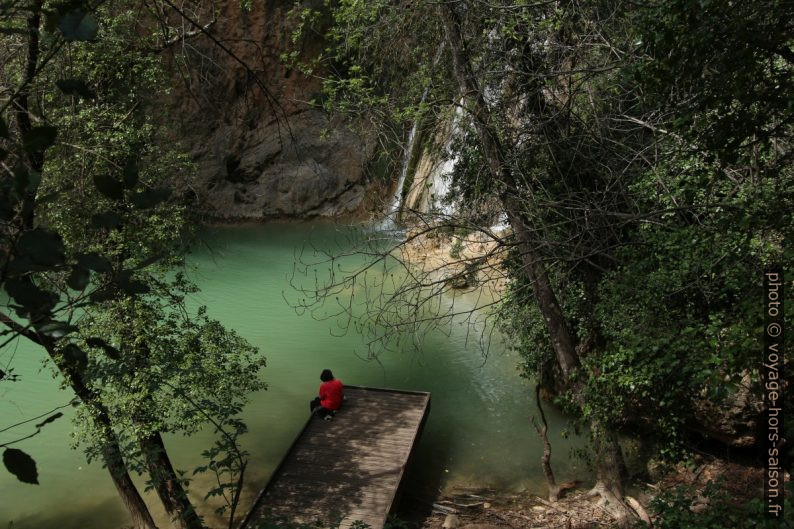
x=353 y=463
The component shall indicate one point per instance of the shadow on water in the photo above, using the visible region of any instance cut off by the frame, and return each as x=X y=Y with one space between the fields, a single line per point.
x=75 y=516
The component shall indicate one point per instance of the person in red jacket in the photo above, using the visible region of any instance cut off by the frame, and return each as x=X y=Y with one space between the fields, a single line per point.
x=332 y=392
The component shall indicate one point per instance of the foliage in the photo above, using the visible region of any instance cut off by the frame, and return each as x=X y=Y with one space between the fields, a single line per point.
x=724 y=74
x=92 y=240
x=650 y=146
x=673 y=510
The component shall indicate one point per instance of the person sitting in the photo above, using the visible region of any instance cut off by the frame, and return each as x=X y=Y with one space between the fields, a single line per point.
x=331 y=392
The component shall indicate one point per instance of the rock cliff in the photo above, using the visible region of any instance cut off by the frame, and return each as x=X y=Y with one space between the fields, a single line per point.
x=261 y=150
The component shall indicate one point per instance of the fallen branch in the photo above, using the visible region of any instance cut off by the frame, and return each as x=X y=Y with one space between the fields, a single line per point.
x=465 y=505
x=639 y=509
x=444 y=509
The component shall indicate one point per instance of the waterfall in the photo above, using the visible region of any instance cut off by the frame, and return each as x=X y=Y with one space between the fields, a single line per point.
x=410 y=147
x=440 y=176
x=396 y=201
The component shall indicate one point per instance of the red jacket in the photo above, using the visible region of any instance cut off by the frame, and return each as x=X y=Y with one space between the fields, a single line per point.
x=331 y=394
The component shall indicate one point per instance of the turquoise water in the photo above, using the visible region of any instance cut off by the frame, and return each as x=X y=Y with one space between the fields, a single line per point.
x=478 y=432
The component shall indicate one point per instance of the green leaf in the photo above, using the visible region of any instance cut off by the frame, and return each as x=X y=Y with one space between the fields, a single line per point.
x=21 y=465
x=57 y=329
x=108 y=219
x=131 y=286
x=78 y=25
x=95 y=262
x=34 y=180
x=13 y=31
x=149 y=261
x=38 y=139
x=75 y=357
x=42 y=247
x=150 y=197
x=26 y=181
x=130 y=174
x=79 y=278
x=109 y=186
x=29 y=296
x=75 y=87
x=99 y=343
x=106 y=294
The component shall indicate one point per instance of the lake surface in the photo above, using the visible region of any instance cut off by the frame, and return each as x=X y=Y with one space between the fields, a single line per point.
x=478 y=432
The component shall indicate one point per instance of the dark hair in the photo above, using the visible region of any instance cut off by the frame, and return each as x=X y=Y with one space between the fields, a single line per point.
x=326 y=375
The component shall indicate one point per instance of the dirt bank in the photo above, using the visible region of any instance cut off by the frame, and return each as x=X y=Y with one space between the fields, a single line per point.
x=493 y=509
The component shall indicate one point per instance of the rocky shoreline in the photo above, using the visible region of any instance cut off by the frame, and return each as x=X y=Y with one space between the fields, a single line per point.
x=473 y=508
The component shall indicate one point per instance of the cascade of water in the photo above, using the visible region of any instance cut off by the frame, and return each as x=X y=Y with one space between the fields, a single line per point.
x=408 y=155
x=440 y=177
x=501 y=224
x=396 y=201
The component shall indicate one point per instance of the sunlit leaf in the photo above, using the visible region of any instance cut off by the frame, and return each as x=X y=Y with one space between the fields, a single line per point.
x=21 y=465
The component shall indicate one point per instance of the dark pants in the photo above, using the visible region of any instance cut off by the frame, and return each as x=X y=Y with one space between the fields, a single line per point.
x=317 y=408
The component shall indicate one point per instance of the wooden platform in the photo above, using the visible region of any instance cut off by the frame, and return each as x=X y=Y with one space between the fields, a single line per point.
x=348 y=468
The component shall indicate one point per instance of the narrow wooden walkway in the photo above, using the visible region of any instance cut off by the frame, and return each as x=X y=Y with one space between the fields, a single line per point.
x=348 y=468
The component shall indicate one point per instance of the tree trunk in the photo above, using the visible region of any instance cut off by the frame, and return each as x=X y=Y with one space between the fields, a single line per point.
x=167 y=483
x=111 y=451
x=493 y=152
x=141 y=517
x=609 y=458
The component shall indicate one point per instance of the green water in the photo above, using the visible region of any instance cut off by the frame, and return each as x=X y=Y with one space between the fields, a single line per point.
x=478 y=432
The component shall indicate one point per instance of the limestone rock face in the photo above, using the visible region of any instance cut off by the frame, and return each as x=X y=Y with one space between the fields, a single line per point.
x=261 y=150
